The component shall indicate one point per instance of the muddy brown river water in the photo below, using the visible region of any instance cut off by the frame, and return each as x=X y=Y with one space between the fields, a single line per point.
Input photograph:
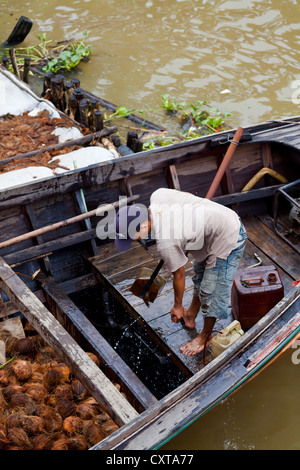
x=243 y=57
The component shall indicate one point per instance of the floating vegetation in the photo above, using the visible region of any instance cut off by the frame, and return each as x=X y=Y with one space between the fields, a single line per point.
x=47 y=57
x=195 y=120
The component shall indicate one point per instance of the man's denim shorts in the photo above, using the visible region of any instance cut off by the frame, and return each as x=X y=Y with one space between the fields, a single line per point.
x=213 y=286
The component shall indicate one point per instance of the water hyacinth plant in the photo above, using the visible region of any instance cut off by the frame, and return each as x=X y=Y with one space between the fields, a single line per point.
x=195 y=120
x=52 y=58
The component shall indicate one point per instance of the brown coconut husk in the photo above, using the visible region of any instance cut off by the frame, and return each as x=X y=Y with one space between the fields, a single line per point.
x=4 y=441
x=72 y=425
x=77 y=443
x=61 y=393
x=46 y=355
x=65 y=408
x=61 y=444
x=11 y=390
x=79 y=391
x=32 y=424
x=13 y=420
x=19 y=437
x=25 y=347
x=21 y=369
x=52 y=378
x=36 y=391
x=44 y=441
x=38 y=341
x=52 y=420
x=86 y=411
x=91 y=432
x=101 y=418
x=24 y=402
x=63 y=370
x=4 y=378
x=3 y=402
x=109 y=427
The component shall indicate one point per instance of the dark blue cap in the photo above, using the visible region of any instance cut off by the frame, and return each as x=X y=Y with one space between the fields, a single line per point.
x=128 y=220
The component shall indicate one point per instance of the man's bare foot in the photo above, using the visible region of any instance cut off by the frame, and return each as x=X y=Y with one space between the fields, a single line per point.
x=196 y=345
x=190 y=314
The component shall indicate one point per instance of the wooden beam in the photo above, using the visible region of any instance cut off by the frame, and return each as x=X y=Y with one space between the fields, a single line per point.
x=98 y=385
x=245 y=196
x=79 y=195
x=33 y=225
x=34 y=252
x=172 y=177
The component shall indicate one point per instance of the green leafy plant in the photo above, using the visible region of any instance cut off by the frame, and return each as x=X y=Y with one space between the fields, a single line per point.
x=68 y=57
x=200 y=113
x=121 y=112
x=171 y=105
x=49 y=58
x=195 y=120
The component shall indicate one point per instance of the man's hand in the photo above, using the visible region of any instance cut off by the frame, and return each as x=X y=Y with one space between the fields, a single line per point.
x=178 y=285
x=177 y=313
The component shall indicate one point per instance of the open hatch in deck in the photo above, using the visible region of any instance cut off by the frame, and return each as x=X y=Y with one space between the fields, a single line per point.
x=118 y=270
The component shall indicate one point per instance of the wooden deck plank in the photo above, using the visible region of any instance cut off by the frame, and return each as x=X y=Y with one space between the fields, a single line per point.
x=273 y=246
x=104 y=392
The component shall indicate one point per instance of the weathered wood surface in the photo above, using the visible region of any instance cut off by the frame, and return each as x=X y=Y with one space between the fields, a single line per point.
x=69 y=351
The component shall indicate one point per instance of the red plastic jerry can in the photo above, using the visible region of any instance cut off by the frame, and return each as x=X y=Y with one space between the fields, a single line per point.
x=254 y=293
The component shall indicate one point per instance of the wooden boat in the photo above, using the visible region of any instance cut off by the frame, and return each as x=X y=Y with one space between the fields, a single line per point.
x=81 y=301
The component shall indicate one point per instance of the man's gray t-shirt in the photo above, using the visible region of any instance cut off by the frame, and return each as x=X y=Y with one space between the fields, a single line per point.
x=182 y=222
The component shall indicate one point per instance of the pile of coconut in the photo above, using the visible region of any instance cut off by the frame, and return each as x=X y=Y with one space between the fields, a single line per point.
x=43 y=406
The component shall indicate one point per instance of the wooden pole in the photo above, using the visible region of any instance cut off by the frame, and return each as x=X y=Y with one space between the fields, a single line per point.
x=27 y=62
x=65 y=223
x=14 y=62
x=47 y=82
x=82 y=141
x=76 y=82
x=98 y=120
x=84 y=113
